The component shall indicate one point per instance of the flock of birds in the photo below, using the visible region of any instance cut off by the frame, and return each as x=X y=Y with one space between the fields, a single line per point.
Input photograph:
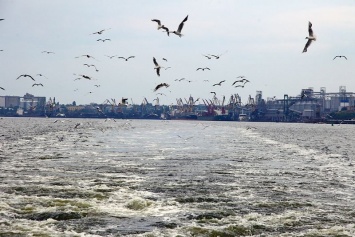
x=241 y=82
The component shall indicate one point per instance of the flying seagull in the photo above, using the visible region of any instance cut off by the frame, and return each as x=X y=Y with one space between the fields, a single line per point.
x=180 y=79
x=213 y=92
x=310 y=38
x=110 y=56
x=37 y=84
x=219 y=83
x=41 y=75
x=2 y=88
x=100 y=31
x=26 y=75
x=83 y=76
x=157 y=66
x=165 y=59
x=242 y=80
x=187 y=138
x=160 y=86
x=47 y=52
x=340 y=57
x=91 y=65
x=178 y=31
x=126 y=58
x=200 y=68
x=86 y=55
x=103 y=40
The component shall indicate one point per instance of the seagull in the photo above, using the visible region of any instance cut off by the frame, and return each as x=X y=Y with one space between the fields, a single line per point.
x=161 y=85
x=26 y=75
x=47 y=52
x=127 y=58
x=77 y=125
x=84 y=76
x=157 y=66
x=180 y=79
x=2 y=88
x=165 y=59
x=103 y=40
x=219 y=83
x=243 y=80
x=178 y=31
x=97 y=85
x=242 y=86
x=340 y=57
x=202 y=68
x=86 y=55
x=100 y=31
x=91 y=65
x=310 y=38
x=213 y=92
x=111 y=56
x=41 y=75
x=187 y=138
x=37 y=84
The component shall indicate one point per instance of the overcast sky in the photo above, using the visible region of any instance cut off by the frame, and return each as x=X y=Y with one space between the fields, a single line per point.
x=261 y=40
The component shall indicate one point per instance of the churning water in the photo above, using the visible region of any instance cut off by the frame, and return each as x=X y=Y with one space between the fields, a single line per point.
x=91 y=177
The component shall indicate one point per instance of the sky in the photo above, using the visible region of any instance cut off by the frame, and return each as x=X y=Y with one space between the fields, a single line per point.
x=261 y=40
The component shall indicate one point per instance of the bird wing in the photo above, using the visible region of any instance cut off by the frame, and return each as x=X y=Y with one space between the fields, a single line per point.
x=158 y=71
x=155 y=62
x=182 y=24
x=310 y=31
x=307 y=45
x=130 y=57
x=198 y=69
x=335 y=57
x=31 y=77
x=157 y=21
x=157 y=87
x=234 y=83
x=19 y=77
x=207 y=68
x=122 y=58
x=345 y=57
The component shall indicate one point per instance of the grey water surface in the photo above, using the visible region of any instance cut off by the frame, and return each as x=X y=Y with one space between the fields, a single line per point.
x=97 y=177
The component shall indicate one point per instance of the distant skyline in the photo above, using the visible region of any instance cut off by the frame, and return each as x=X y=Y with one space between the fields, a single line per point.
x=261 y=40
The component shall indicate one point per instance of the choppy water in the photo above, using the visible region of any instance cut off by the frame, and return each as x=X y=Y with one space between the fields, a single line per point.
x=175 y=178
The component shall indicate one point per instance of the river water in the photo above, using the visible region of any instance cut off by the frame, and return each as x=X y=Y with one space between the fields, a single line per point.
x=97 y=177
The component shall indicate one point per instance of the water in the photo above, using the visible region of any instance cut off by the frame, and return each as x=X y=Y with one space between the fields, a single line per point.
x=175 y=178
